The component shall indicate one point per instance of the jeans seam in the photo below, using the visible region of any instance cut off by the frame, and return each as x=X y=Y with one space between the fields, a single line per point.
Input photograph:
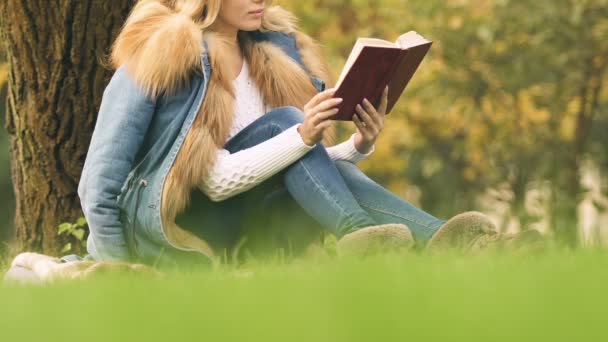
x=428 y=226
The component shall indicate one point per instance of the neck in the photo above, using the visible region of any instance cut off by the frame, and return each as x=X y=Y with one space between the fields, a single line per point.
x=230 y=44
x=229 y=32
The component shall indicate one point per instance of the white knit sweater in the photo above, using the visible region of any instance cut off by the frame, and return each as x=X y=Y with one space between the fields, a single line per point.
x=241 y=171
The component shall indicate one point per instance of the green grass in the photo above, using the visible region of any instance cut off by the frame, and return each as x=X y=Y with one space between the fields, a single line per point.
x=552 y=297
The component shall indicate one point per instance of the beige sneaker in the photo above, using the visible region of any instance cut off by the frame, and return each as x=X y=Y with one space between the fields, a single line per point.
x=473 y=232
x=376 y=239
x=465 y=232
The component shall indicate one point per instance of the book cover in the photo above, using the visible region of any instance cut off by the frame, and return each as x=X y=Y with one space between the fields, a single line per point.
x=373 y=69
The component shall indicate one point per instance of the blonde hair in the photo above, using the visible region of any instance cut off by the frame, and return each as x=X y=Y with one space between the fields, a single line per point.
x=206 y=12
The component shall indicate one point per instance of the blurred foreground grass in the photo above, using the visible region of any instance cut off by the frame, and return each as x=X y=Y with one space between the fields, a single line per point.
x=551 y=297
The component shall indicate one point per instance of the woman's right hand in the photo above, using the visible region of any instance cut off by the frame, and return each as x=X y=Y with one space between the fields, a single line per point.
x=316 y=116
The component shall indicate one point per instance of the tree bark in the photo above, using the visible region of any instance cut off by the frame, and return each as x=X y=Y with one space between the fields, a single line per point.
x=56 y=52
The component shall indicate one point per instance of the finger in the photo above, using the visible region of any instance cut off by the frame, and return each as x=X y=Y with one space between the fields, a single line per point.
x=366 y=118
x=323 y=116
x=363 y=129
x=373 y=113
x=359 y=123
x=366 y=129
x=327 y=104
x=315 y=100
x=383 y=102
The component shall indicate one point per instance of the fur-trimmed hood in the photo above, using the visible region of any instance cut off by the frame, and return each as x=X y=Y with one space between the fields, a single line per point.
x=162 y=46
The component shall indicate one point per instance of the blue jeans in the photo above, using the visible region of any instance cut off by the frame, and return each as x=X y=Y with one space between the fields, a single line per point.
x=315 y=190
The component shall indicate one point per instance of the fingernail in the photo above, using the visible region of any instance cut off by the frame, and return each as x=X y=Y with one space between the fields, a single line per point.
x=339 y=99
x=365 y=100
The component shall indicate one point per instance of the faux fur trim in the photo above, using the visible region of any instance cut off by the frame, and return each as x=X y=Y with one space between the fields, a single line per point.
x=159 y=46
x=162 y=67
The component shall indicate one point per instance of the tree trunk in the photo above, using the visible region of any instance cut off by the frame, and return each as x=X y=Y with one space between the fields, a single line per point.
x=55 y=50
x=567 y=221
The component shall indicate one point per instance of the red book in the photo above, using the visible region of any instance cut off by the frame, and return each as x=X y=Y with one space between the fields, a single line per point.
x=374 y=63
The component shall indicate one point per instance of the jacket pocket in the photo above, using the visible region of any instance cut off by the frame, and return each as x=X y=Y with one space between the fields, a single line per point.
x=126 y=222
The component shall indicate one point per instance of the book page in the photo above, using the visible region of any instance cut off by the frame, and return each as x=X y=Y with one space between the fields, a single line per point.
x=376 y=42
x=359 y=45
x=410 y=39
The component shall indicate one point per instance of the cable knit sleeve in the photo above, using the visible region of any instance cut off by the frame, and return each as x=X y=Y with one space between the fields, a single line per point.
x=240 y=171
x=347 y=151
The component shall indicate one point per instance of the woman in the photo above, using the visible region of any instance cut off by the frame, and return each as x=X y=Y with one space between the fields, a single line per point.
x=217 y=107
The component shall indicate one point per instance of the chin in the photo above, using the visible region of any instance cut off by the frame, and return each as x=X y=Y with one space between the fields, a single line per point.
x=251 y=25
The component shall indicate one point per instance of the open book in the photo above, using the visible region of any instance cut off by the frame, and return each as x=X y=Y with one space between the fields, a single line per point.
x=374 y=63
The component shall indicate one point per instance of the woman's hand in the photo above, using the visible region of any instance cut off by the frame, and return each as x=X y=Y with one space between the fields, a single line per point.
x=316 y=114
x=369 y=122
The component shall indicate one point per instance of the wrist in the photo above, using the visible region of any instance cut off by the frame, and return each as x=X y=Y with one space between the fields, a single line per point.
x=363 y=147
x=306 y=141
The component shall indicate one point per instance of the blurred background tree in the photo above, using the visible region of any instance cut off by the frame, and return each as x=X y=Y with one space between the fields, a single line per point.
x=507 y=114
x=503 y=112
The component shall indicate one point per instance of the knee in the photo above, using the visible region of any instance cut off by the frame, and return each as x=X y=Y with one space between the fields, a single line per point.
x=349 y=170
x=344 y=166
x=285 y=117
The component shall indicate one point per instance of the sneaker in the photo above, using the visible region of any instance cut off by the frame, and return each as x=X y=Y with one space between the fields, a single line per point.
x=472 y=232
x=376 y=239
x=465 y=232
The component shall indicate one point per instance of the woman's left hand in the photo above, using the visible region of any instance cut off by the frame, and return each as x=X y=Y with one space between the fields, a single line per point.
x=369 y=122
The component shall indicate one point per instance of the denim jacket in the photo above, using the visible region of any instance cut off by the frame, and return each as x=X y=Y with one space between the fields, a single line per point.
x=134 y=143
